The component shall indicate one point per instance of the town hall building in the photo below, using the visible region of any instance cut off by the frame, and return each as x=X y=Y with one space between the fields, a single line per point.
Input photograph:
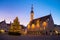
x=40 y=25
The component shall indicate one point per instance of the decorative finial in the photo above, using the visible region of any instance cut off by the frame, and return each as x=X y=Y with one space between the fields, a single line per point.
x=50 y=12
x=32 y=7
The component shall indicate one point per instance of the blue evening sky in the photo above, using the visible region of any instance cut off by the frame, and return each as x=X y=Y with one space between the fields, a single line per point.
x=9 y=9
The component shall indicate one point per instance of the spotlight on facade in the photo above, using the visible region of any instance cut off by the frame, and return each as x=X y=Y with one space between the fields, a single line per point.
x=33 y=26
x=56 y=32
x=44 y=24
x=28 y=26
x=2 y=31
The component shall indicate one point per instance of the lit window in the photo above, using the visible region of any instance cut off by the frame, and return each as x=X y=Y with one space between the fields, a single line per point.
x=44 y=25
x=2 y=31
x=38 y=24
x=28 y=26
x=33 y=26
x=56 y=32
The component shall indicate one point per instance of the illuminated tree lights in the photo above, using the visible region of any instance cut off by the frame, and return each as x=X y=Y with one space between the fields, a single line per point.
x=15 y=26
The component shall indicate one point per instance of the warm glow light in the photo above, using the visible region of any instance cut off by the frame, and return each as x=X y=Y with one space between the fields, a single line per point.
x=25 y=31
x=38 y=25
x=28 y=26
x=32 y=16
x=2 y=31
x=33 y=26
x=56 y=32
x=44 y=24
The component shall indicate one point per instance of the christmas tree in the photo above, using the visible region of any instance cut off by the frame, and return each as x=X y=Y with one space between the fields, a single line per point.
x=15 y=27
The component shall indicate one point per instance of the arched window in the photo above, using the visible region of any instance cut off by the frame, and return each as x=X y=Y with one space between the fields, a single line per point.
x=33 y=26
x=44 y=25
x=38 y=24
x=28 y=26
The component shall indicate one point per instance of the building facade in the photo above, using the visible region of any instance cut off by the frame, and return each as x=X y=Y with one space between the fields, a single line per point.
x=40 y=25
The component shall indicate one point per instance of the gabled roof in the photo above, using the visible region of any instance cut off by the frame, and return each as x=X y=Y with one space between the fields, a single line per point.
x=8 y=24
x=23 y=27
x=44 y=18
x=2 y=22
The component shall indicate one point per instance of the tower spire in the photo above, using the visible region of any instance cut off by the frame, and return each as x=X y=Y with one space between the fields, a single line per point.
x=32 y=7
x=32 y=13
x=50 y=12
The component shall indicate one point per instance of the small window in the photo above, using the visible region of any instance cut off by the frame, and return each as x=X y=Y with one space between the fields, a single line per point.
x=47 y=19
x=44 y=24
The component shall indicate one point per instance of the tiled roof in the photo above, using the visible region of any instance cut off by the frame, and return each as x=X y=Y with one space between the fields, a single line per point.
x=56 y=25
x=44 y=18
x=2 y=22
